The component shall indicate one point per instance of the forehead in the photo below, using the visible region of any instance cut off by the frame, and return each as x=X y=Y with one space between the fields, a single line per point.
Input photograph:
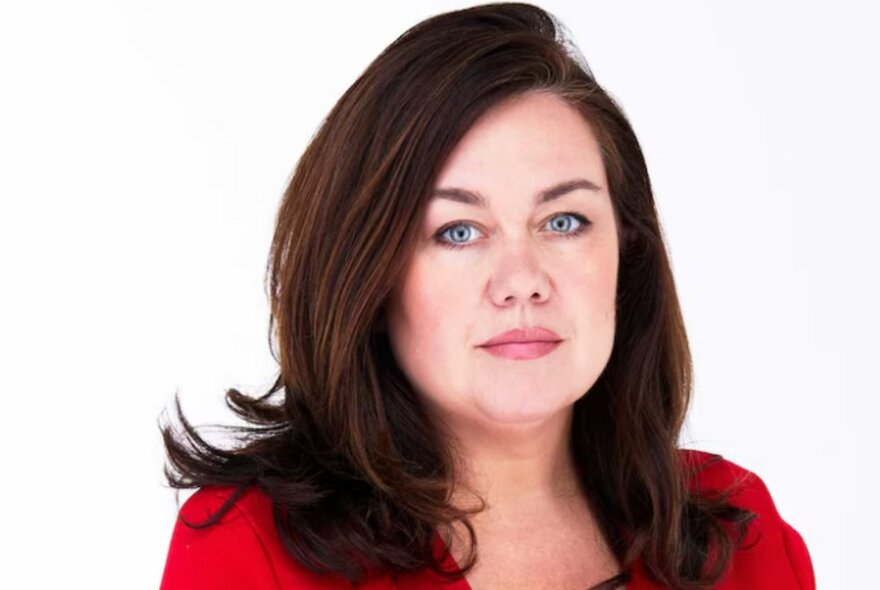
x=530 y=143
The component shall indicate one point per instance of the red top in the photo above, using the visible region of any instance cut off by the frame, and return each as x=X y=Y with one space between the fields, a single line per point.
x=243 y=549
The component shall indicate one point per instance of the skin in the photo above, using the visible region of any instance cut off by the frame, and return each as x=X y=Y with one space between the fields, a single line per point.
x=512 y=418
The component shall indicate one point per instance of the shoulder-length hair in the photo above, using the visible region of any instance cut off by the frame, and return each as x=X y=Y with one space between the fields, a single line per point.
x=346 y=450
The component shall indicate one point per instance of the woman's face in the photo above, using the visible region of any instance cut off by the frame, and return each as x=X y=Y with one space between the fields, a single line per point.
x=522 y=262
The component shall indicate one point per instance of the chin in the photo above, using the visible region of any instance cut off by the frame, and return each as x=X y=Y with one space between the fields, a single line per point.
x=527 y=411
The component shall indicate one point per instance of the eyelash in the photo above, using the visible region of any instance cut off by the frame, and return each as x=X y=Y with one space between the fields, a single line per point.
x=584 y=224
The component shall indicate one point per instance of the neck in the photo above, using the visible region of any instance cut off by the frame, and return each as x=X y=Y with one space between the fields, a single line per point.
x=519 y=469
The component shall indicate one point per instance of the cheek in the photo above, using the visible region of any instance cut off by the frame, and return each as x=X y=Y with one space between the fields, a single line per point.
x=592 y=290
x=428 y=319
x=606 y=287
x=429 y=298
x=601 y=273
x=428 y=329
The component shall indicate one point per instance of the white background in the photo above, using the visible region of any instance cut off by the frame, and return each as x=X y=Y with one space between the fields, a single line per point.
x=144 y=149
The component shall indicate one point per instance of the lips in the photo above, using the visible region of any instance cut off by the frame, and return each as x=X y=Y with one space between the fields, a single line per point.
x=523 y=335
x=522 y=350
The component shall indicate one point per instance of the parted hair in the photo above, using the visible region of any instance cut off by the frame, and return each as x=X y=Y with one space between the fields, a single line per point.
x=359 y=475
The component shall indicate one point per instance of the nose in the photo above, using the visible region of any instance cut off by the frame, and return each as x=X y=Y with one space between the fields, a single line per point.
x=518 y=276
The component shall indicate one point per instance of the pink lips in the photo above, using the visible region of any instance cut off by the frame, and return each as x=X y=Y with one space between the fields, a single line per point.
x=528 y=343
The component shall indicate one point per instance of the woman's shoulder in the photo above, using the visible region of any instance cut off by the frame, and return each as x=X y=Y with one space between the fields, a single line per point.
x=772 y=547
x=241 y=549
x=711 y=471
x=249 y=504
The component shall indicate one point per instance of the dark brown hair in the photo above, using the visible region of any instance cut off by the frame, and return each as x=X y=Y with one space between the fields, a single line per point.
x=340 y=442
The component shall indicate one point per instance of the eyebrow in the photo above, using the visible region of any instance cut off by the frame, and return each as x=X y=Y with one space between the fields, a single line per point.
x=554 y=192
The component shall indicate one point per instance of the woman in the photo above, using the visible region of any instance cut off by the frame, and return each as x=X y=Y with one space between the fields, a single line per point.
x=483 y=364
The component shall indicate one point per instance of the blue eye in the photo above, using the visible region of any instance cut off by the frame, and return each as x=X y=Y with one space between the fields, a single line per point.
x=456 y=231
x=563 y=229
